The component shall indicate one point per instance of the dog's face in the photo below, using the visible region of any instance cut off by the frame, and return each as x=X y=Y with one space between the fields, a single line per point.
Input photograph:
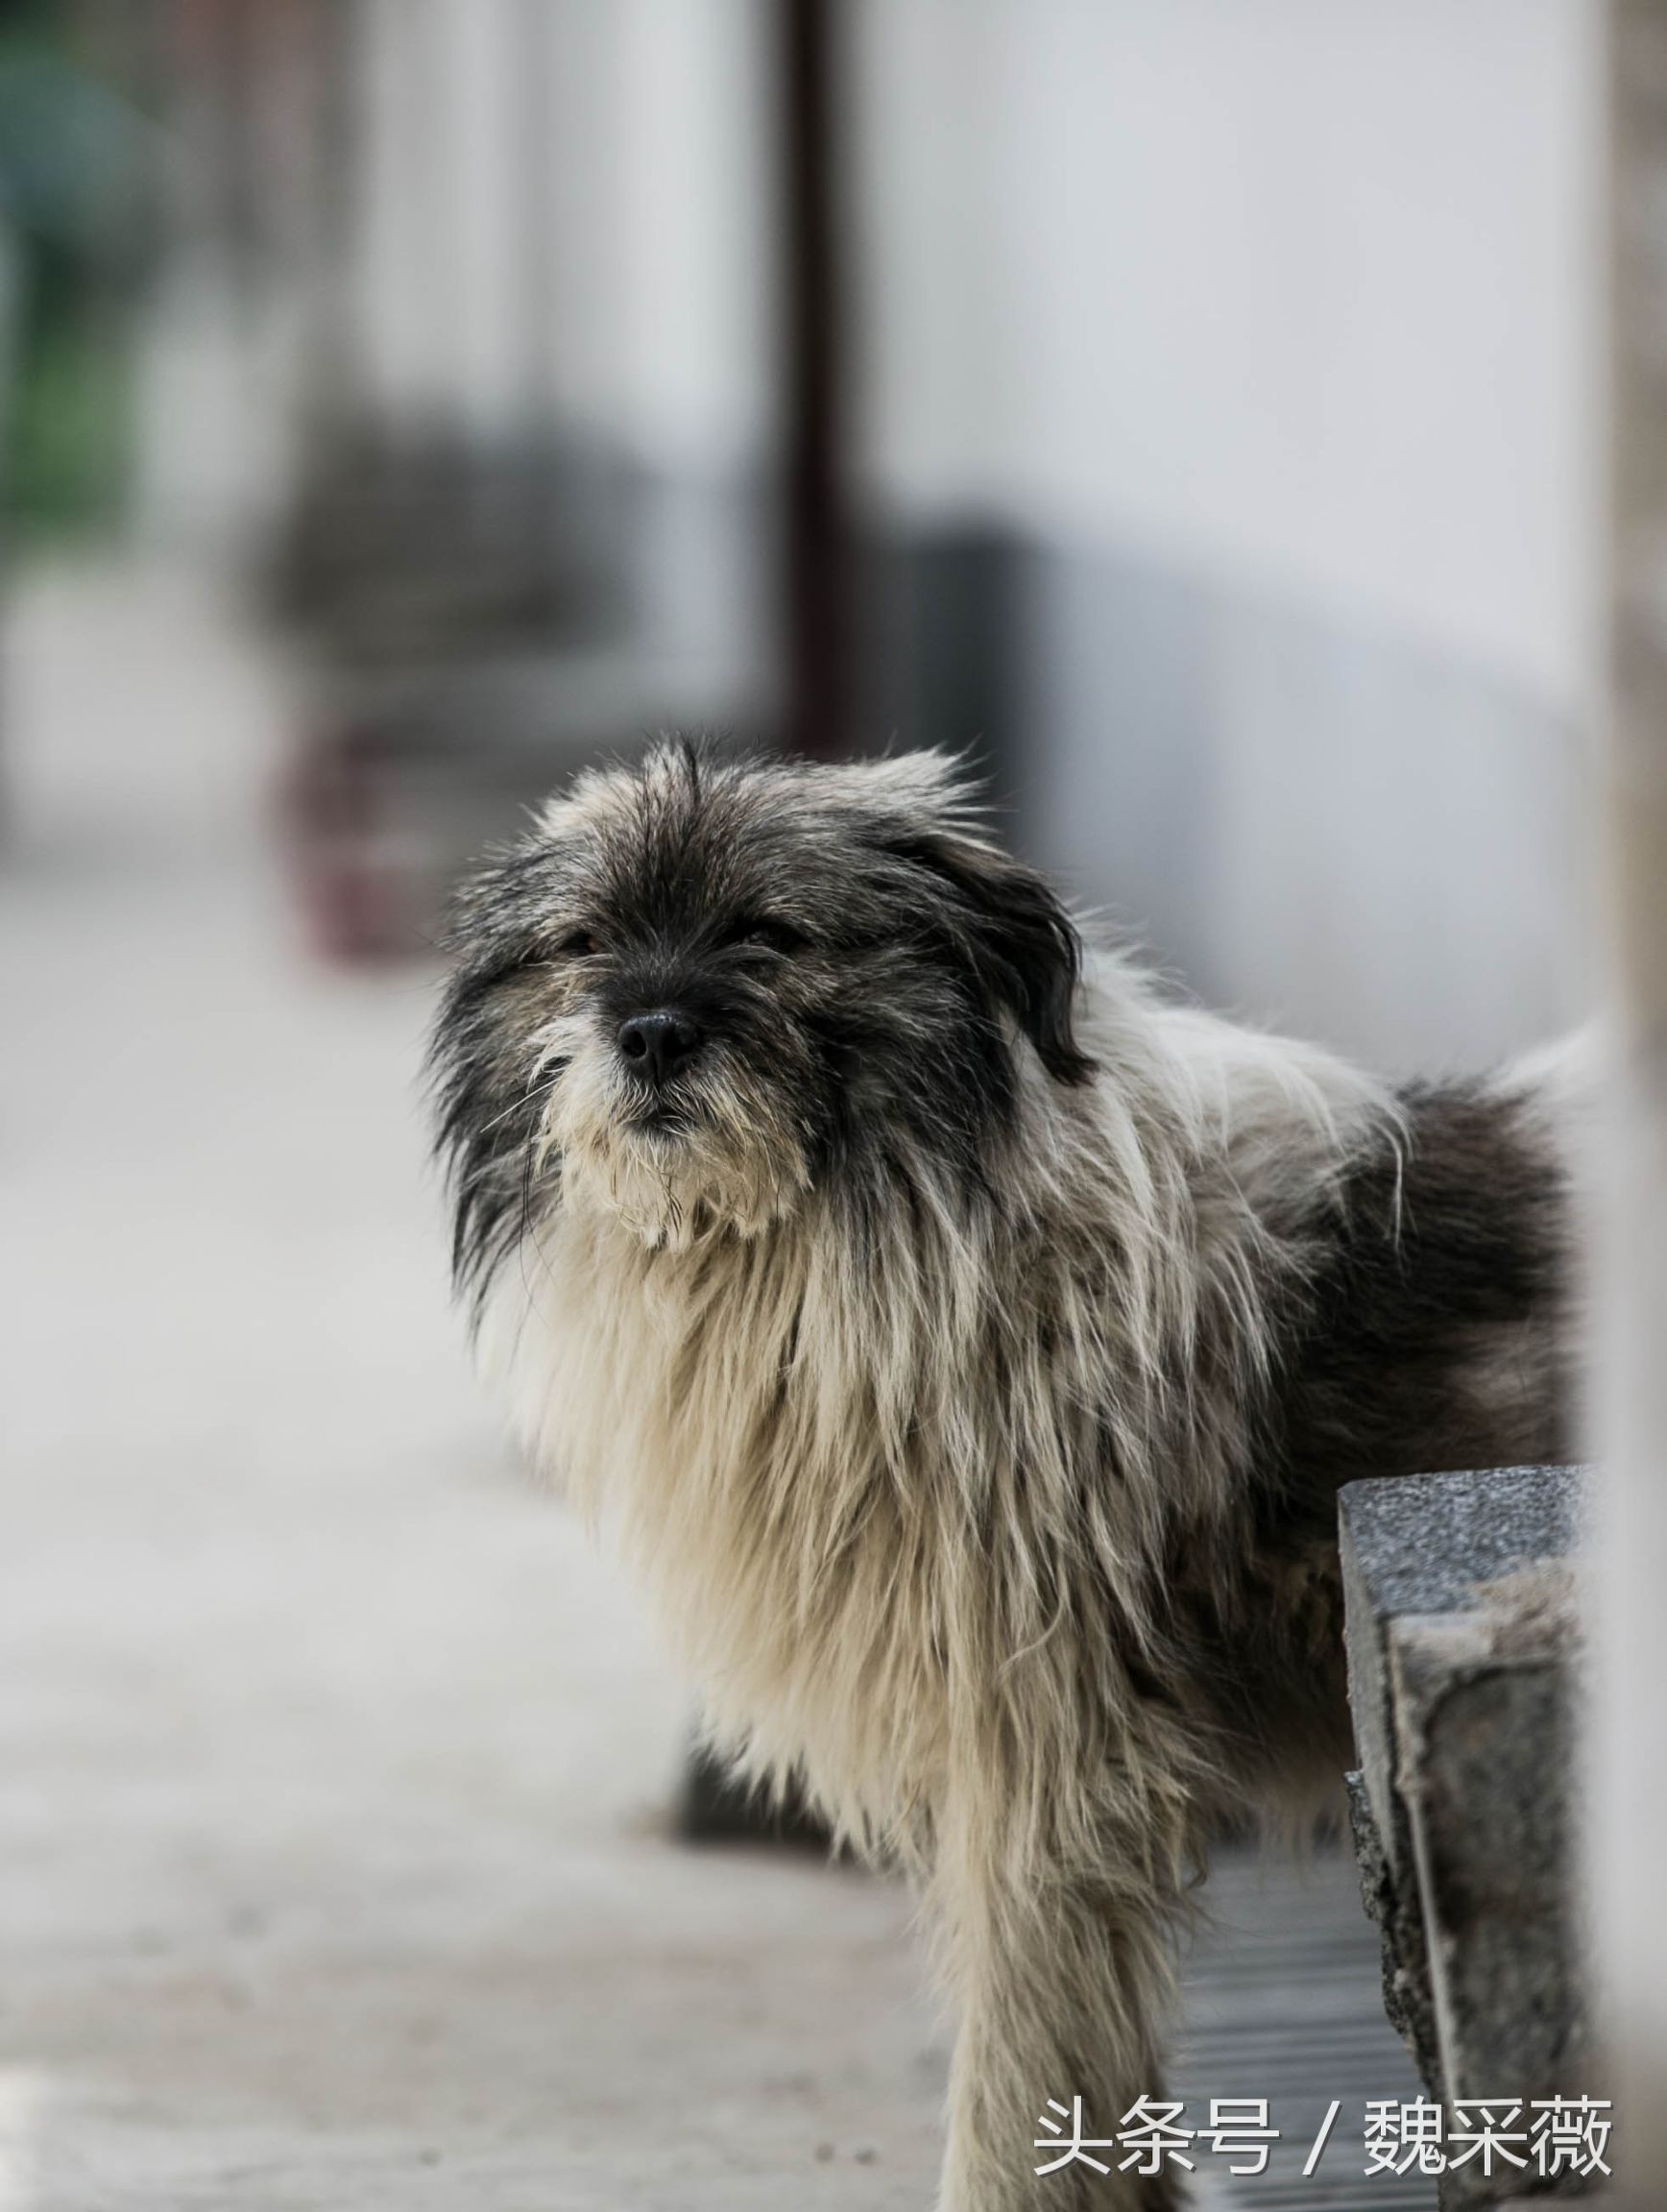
x=704 y=986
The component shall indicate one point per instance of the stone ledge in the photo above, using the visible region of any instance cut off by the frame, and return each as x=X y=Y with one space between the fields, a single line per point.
x=1463 y=1651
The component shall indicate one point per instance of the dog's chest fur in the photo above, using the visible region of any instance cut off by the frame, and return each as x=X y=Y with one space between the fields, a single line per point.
x=728 y=1410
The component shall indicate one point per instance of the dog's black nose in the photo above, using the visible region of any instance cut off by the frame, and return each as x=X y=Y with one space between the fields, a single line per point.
x=656 y=1045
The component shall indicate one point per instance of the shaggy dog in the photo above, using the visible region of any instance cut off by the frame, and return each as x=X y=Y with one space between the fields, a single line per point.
x=968 y=1343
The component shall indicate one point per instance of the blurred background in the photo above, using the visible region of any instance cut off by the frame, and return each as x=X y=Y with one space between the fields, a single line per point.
x=1191 y=413
x=1187 y=412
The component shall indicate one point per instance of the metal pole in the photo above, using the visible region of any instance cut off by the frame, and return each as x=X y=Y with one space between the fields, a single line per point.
x=818 y=612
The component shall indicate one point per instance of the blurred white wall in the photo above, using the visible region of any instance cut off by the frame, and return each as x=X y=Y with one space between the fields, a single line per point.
x=1302 y=292
x=598 y=237
x=1274 y=327
x=552 y=218
x=567 y=227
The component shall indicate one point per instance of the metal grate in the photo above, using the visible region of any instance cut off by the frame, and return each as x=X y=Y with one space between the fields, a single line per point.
x=1284 y=2003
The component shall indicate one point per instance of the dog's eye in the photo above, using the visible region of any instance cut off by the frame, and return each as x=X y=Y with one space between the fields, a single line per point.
x=769 y=930
x=578 y=943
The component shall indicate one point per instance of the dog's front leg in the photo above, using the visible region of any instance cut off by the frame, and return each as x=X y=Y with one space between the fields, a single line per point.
x=1065 y=1986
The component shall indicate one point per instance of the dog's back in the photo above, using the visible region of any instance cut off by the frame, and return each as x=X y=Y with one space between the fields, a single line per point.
x=1434 y=1328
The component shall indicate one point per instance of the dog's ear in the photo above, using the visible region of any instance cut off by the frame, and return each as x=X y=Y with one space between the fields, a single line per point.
x=1018 y=937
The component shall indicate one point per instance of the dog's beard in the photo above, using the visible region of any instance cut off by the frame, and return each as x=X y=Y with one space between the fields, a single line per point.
x=716 y=1152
